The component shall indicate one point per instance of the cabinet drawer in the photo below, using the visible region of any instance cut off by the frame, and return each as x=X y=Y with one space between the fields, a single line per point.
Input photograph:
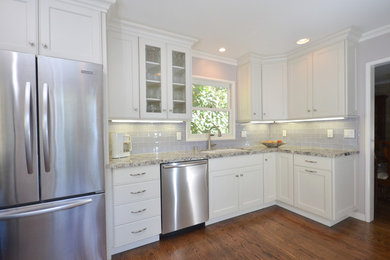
x=235 y=162
x=136 y=211
x=136 y=174
x=313 y=162
x=129 y=233
x=136 y=192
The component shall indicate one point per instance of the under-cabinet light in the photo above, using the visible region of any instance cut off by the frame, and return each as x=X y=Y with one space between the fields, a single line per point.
x=310 y=120
x=147 y=121
x=261 y=122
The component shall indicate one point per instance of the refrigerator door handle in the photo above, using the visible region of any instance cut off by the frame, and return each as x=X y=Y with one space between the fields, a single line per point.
x=45 y=126
x=41 y=209
x=27 y=128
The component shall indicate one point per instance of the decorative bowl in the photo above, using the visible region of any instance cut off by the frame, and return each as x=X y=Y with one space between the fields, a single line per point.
x=272 y=144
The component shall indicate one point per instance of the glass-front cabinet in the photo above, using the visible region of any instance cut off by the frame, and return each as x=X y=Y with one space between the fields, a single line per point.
x=164 y=80
x=179 y=83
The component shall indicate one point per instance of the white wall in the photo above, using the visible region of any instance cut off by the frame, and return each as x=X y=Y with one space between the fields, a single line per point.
x=369 y=50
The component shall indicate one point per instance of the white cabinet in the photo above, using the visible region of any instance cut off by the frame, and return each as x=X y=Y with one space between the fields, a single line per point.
x=312 y=188
x=325 y=186
x=135 y=207
x=249 y=94
x=123 y=80
x=18 y=25
x=285 y=178
x=274 y=87
x=235 y=184
x=299 y=87
x=66 y=29
x=269 y=177
x=322 y=83
x=69 y=31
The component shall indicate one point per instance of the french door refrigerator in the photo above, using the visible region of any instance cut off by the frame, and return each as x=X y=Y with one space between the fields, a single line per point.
x=51 y=159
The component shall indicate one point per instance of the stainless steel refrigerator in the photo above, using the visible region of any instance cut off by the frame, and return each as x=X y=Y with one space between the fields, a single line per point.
x=51 y=159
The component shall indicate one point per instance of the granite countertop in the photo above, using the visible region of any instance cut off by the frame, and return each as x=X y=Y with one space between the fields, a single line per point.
x=153 y=158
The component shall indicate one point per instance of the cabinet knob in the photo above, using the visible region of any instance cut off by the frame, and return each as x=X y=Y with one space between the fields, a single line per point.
x=237 y=175
x=44 y=45
x=254 y=114
x=266 y=160
x=315 y=110
x=170 y=110
x=241 y=175
x=263 y=113
x=31 y=44
x=135 y=109
x=164 y=110
x=308 y=110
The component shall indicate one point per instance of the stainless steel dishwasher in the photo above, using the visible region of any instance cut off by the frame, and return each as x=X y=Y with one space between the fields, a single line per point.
x=184 y=194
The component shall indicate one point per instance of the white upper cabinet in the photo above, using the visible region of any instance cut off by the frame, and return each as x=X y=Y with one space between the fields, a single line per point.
x=249 y=94
x=66 y=29
x=69 y=31
x=322 y=83
x=18 y=25
x=299 y=87
x=274 y=87
x=153 y=79
x=179 y=82
x=123 y=80
x=329 y=81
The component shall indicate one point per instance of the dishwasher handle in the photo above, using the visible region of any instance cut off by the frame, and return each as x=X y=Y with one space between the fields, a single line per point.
x=184 y=164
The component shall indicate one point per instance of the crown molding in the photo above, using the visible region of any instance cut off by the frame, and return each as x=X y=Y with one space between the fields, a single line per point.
x=121 y=25
x=250 y=57
x=375 y=33
x=100 y=5
x=213 y=57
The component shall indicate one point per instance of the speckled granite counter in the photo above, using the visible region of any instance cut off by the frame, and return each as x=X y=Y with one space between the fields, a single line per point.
x=151 y=159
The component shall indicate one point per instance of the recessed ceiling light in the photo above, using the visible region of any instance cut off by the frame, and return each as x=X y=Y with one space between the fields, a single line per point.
x=303 y=41
x=222 y=49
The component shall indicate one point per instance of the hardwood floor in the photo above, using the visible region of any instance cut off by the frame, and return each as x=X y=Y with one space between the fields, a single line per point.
x=274 y=233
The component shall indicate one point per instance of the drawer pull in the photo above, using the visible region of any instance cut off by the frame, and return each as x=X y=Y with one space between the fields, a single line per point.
x=137 y=192
x=139 y=231
x=138 y=211
x=310 y=161
x=310 y=171
x=137 y=174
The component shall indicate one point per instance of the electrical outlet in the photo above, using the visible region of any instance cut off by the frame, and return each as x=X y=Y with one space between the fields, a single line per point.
x=284 y=133
x=243 y=133
x=330 y=133
x=178 y=136
x=349 y=133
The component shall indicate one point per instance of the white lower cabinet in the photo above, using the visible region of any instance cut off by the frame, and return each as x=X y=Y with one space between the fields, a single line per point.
x=269 y=177
x=136 y=207
x=235 y=184
x=285 y=178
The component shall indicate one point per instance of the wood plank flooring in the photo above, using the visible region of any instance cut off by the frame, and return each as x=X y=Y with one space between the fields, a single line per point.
x=274 y=233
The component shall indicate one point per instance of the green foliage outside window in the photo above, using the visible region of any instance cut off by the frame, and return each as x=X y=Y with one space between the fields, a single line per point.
x=213 y=98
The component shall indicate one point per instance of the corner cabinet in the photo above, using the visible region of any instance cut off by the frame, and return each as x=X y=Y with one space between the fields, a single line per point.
x=63 y=29
x=165 y=80
x=322 y=83
x=269 y=177
x=285 y=178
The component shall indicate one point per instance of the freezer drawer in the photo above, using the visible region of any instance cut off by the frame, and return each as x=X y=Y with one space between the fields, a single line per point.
x=61 y=230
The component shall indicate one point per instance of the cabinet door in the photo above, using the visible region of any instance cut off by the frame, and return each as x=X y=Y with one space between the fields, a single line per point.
x=299 y=87
x=153 y=79
x=69 y=31
x=313 y=190
x=285 y=178
x=255 y=94
x=329 y=81
x=179 y=83
x=18 y=25
x=269 y=177
x=123 y=81
x=251 y=187
x=223 y=192
x=274 y=86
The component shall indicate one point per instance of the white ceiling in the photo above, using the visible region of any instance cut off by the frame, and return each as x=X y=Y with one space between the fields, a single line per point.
x=262 y=26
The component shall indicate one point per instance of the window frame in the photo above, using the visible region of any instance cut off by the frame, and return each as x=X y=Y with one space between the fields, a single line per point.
x=232 y=109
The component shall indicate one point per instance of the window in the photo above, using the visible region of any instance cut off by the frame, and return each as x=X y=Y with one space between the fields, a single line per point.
x=212 y=105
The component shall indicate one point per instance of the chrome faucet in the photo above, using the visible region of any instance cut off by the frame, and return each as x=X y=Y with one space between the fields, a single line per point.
x=209 y=144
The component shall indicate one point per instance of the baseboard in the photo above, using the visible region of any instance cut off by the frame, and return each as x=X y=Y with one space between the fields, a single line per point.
x=136 y=244
x=358 y=215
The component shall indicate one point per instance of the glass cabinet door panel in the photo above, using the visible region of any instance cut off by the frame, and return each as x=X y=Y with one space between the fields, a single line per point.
x=179 y=82
x=153 y=79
